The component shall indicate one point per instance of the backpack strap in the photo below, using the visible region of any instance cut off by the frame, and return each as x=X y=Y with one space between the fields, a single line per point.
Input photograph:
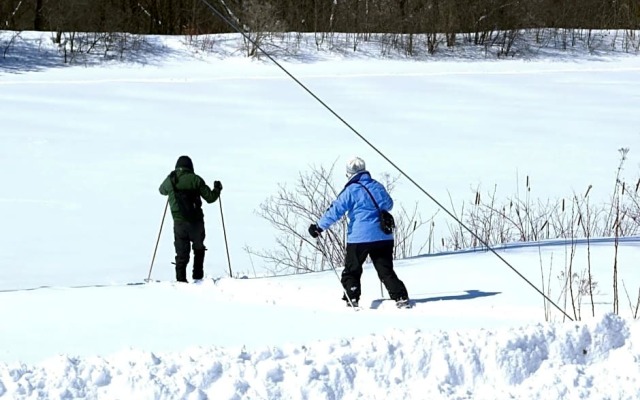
x=173 y=178
x=387 y=223
x=370 y=195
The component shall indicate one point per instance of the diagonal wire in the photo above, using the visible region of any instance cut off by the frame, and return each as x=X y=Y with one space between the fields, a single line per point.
x=416 y=184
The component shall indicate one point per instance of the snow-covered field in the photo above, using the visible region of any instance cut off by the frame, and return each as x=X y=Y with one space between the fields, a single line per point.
x=476 y=332
x=84 y=149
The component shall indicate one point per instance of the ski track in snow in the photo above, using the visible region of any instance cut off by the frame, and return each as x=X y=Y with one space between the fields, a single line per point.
x=317 y=76
x=544 y=361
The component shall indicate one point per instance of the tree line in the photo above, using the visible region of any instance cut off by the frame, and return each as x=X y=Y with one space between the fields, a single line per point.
x=178 y=17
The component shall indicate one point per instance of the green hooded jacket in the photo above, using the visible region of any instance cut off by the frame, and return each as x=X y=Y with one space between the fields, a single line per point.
x=186 y=180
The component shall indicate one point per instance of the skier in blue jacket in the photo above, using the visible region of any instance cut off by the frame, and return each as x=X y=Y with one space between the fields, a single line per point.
x=364 y=233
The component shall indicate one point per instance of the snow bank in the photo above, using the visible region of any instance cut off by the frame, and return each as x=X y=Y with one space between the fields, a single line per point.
x=544 y=361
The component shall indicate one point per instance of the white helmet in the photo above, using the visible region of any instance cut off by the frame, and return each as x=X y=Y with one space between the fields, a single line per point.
x=354 y=166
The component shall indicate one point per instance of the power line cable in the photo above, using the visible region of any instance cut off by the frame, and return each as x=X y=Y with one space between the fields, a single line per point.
x=352 y=129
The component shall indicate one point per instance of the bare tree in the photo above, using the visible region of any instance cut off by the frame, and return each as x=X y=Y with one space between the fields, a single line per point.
x=291 y=210
x=10 y=13
x=259 y=20
x=8 y=43
x=38 y=20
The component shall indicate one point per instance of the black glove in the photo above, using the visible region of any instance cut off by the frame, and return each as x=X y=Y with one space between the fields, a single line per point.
x=217 y=185
x=314 y=230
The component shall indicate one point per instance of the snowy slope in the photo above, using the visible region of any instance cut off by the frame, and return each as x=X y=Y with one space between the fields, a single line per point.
x=83 y=150
x=477 y=331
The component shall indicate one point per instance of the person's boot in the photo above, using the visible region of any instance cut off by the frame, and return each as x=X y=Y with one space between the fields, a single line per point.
x=181 y=272
x=351 y=302
x=198 y=264
x=403 y=302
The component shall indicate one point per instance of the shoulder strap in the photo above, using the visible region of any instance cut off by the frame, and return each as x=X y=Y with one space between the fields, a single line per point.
x=370 y=195
x=173 y=178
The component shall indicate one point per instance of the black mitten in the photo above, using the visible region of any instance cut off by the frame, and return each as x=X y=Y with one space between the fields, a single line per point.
x=314 y=230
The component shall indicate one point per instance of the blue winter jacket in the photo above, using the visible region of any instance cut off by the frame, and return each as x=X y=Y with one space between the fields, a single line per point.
x=363 y=218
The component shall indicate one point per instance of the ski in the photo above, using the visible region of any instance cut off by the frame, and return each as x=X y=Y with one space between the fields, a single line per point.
x=377 y=303
x=143 y=282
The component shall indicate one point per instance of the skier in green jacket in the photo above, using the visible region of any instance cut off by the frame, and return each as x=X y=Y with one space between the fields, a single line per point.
x=185 y=190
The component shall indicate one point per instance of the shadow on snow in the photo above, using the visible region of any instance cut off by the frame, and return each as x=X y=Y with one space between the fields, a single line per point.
x=31 y=55
x=469 y=295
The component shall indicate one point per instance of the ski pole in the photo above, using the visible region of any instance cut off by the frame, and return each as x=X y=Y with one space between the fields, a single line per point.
x=164 y=214
x=224 y=231
x=346 y=295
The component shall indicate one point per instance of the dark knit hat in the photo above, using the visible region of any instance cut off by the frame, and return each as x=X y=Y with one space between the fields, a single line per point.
x=184 y=162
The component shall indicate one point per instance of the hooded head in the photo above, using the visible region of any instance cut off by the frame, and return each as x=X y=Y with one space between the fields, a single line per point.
x=354 y=166
x=184 y=162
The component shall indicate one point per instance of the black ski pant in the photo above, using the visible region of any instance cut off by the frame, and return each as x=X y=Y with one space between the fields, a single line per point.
x=189 y=235
x=381 y=254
